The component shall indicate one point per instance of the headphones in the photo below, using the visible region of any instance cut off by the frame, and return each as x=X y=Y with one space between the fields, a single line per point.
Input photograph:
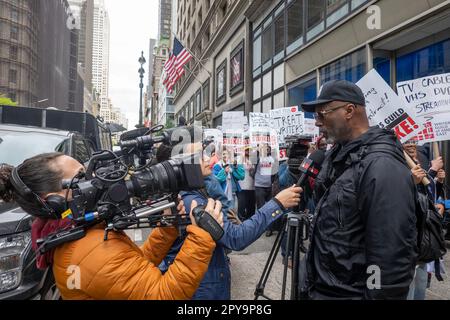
x=52 y=207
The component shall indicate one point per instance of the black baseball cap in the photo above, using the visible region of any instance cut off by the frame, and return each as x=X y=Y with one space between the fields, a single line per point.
x=337 y=90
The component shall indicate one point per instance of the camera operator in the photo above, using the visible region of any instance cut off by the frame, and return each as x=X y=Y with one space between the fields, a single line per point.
x=217 y=281
x=112 y=269
x=364 y=235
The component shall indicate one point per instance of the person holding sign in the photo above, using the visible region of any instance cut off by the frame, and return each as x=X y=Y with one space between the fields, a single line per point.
x=363 y=244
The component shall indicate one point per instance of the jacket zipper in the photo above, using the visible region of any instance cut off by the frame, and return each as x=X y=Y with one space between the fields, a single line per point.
x=339 y=213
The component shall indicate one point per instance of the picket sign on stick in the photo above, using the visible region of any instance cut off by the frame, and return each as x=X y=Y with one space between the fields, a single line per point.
x=429 y=99
x=412 y=164
x=385 y=109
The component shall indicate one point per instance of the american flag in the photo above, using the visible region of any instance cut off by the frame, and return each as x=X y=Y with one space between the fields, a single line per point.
x=173 y=69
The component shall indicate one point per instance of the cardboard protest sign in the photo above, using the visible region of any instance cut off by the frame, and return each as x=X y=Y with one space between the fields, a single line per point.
x=385 y=109
x=287 y=122
x=235 y=120
x=259 y=120
x=429 y=99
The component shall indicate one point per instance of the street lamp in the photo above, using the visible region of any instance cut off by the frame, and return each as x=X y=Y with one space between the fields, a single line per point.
x=141 y=86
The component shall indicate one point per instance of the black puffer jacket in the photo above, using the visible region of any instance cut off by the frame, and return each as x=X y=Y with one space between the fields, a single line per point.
x=365 y=221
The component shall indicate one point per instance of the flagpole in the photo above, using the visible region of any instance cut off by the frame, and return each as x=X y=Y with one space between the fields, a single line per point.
x=193 y=55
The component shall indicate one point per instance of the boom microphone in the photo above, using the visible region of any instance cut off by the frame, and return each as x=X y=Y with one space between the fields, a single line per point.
x=311 y=166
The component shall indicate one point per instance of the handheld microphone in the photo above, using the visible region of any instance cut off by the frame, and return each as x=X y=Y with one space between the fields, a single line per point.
x=311 y=166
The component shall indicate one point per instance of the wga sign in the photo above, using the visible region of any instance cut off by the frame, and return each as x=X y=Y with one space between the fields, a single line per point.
x=73 y=20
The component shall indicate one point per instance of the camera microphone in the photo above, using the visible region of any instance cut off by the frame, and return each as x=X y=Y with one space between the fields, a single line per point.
x=311 y=167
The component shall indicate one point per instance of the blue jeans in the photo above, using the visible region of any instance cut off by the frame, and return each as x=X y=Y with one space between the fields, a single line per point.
x=418 y=286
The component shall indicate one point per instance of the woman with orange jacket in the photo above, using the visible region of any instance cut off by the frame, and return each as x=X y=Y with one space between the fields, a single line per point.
x=91 y=268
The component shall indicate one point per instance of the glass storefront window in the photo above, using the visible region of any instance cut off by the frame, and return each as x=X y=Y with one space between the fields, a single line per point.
x=304 y=91
x=383 y=67
x=434 y=59
x=351 y=68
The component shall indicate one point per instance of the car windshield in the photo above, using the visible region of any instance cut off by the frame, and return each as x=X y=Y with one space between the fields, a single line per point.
x=15 y=146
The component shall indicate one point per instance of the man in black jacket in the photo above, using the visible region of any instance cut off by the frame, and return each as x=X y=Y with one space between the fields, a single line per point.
x=364 y=236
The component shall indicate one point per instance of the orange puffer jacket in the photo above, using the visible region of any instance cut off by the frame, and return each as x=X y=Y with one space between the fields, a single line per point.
x=117 y=269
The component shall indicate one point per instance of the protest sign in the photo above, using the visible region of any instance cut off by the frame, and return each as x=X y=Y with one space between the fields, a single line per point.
x=429 y=99
x=259 y=120
x=235 y=120
x=385 y=109
x=287 y=122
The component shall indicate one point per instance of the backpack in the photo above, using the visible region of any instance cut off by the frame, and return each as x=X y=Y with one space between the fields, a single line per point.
x=430 y=232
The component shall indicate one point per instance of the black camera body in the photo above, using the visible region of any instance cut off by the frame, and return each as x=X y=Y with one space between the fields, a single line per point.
x=114 y=190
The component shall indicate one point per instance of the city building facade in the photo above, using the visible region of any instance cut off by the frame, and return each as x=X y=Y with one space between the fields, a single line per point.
x=100 y=55
x=298 y=45
x=215 y=80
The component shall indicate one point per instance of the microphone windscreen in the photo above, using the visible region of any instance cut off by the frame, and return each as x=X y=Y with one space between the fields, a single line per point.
x=318 y=158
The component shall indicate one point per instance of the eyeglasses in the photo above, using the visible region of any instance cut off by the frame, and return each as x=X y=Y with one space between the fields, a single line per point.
x=320 y=115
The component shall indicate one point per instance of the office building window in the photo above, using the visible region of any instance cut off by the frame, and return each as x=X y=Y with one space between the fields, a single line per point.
x=351 y=67
x=336 y=10
x=279 y=27
x=12 y=76
x=195 y=106
x=13 y=52
x=257 y=89
x=315 y=18
x=191 y=110
x=198 y=98
x=267 y=105
x=278 y=100
x=221 y=80
x=267 y=83
x=14 y=33
x=431 y=60
x=257 y=56
x=14 y=15
x=206 y=95
x=267 y=41
x=294 y=25
x=237 y=69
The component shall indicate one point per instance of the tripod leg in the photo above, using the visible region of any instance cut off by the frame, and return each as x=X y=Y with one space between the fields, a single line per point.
x=286 y=260
x=296 y=263
x=259 y=292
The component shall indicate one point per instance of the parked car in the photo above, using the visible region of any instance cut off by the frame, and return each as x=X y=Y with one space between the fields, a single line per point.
x=22 y=137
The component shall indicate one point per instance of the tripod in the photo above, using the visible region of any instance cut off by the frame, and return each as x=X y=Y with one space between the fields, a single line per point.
x=296 y=226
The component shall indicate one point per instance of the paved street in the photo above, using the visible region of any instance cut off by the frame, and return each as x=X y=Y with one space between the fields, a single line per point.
x=247 y=267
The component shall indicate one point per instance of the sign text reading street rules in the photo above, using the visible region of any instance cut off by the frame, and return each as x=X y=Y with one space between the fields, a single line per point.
x=429 y=99
x=385 y=109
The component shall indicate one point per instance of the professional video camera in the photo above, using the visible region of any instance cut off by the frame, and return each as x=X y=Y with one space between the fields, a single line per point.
x=297 y=151
x=113 y=189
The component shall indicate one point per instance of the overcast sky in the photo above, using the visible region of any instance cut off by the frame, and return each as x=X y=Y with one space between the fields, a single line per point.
x=133 y=23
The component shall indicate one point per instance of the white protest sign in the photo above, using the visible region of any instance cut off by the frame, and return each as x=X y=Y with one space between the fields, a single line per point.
x=235 y=120
x=259 y=120
x=385 y=109
x=429 y=99
x=287 y=122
